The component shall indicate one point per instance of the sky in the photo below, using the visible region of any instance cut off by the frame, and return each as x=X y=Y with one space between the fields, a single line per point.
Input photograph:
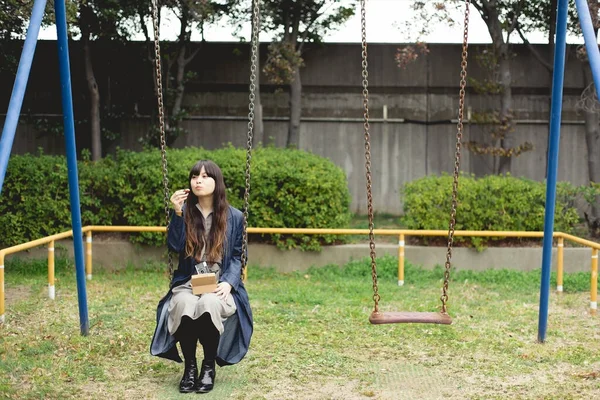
x=384 y=18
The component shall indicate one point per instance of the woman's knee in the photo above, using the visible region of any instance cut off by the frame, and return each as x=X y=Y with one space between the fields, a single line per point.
x=210 y=301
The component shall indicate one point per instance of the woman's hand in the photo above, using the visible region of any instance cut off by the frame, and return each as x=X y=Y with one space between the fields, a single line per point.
x=223 y=289
x=178 y=198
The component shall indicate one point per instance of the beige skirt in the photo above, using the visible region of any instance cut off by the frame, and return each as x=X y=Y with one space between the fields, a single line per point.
x=185 y=303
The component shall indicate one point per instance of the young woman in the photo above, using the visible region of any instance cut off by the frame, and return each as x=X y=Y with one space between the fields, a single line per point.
x=207 y=233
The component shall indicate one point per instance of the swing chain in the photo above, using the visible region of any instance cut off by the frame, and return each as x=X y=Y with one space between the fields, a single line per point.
x=252 y=96
x=459 y=134
x=161 y=118
x=365 y=83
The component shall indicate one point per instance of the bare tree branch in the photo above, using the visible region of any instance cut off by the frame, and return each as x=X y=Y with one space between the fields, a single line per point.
x=191 y=57
x=536 y=54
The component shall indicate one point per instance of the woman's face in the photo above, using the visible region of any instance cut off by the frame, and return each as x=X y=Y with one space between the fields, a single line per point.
x=202 y=185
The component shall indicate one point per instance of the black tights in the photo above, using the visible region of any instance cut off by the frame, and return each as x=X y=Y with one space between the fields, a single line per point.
x=202 y=329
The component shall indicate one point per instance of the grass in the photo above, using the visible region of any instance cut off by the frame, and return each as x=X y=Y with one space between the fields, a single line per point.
x=312 y=339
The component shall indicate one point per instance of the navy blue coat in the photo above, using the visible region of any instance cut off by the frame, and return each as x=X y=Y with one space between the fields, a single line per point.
x=235 y=339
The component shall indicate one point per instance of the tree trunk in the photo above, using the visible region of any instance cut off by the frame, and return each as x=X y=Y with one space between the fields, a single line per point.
x=552 y=30
x=491 y=16
x=551 y=34
x=506 y=124
x=592 y=132
x=295 y=110
x=259 y=128
x=96 y=133
x=149 y=45
x=179 y=86
x=592 y=140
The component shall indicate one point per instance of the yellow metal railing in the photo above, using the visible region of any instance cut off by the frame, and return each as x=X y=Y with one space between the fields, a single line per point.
x=400 y=233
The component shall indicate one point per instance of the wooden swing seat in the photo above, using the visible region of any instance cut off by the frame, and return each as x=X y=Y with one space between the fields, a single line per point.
x=408 y=317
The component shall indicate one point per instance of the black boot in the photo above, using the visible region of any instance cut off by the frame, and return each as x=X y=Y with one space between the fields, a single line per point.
x=188 y=340
x=206 y=379
x=190 y=377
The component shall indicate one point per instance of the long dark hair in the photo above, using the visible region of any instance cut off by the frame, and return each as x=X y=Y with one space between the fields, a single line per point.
x=195 y=232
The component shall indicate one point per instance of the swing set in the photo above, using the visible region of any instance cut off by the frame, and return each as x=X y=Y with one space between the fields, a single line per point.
x=377 y=316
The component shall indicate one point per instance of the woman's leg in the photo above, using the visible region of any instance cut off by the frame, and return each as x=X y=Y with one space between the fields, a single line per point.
x=188 y=339
x=209 y=338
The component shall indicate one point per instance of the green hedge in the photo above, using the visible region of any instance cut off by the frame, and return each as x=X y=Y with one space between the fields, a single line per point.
x=289 y=188
x=500 y=203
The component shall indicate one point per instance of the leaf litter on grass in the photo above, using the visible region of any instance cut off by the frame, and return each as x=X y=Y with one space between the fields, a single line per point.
x=310 y=341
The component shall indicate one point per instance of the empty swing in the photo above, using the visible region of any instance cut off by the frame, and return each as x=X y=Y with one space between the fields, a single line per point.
x=393 y=317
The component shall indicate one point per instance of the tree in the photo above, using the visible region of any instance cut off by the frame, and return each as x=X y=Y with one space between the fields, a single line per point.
x=294 y=23
x=14 y=22
x=259 y=127
x=589 y=105
x=501 y=18
x=91 y=20
x=192 y=14
x=95 y=21
x=239 y=18
x=499 y=128
x=99 y=20
x=14 y=16
x=541 y=16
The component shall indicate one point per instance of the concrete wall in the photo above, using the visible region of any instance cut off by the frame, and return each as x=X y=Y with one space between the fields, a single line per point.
x=416 y=140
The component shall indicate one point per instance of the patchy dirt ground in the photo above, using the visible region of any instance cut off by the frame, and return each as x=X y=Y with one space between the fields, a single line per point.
x=15 y=294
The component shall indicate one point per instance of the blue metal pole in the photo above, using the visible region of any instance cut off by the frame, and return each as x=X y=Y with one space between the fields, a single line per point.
x=591 y=45
x=555 y=116
x=18 y=92
x=69 y=124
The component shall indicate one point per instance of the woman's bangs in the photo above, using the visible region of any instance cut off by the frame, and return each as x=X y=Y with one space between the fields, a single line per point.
x=209 y=167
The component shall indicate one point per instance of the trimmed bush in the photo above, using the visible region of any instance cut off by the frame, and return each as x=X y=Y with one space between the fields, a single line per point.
x=499 y=203
x=289 y=188
x=35 y=197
